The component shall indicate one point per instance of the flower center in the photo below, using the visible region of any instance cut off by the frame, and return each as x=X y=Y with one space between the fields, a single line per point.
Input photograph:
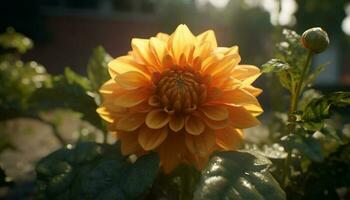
x=180 y=90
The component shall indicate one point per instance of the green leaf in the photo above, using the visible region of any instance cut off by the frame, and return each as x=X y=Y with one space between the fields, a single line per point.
x=290 y=58
x=94 y=171
x=68 y=91
x=307 y=145
x=13 y=40
x=238 y=175
x=97 y=69
x=321 y=108
x=274 y=65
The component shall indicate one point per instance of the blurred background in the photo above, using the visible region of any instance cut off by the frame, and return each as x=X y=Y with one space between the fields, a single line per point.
x=65 y=32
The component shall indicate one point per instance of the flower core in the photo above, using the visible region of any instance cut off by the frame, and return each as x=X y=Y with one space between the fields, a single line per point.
x=179 y=90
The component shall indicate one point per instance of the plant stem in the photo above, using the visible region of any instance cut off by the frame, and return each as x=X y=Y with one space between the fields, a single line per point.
x=295 y=97
x=293 y=108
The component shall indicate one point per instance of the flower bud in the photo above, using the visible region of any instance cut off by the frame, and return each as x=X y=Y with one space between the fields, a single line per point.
x=315 y=39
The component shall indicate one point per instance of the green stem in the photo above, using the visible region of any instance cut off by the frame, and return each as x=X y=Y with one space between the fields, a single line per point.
x=293 y=108
x=295 y=97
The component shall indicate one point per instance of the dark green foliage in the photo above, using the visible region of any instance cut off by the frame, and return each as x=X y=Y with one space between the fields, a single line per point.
x=178 y=185
x=274 y=65
x=97 y=69
x=321 y=108
x=238 y=175
x=67 y=91
x=94 y=171
x=305 y=144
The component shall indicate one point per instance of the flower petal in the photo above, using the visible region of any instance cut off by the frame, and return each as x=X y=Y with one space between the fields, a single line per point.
x=131 y=80
x=131 y=122
x=125 y=64
x=176 y=123
x=149 y=139
x=201 y=145
x=157 y=119
x=158 y=48
x=129 y=142
x=229 y=138
x=246 y=73
x=194 y=125
x=207 y=36
x=215 y=112
x=163 y=36
x=252 y=90
x=104 y=114
x=130 y=98
x=243 y=98
x=172 y=151
x=179 y=41
x=142 y=53
x=241 y=118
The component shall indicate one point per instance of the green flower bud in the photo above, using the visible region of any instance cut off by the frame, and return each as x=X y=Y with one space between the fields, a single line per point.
x=315 y=39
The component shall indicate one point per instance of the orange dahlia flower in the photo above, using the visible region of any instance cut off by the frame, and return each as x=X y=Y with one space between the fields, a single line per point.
x=181 y=96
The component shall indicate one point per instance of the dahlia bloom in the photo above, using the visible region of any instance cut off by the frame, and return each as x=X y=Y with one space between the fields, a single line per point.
x=180 y=95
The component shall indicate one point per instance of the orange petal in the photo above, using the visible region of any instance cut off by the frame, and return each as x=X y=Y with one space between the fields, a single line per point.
x=163 y=36
x=252 y=90
x=242 y=98
x=171 y=152
x=229 y=138
x=109 y=87
x=125 y=64
x=158 y=48
x=142 y=53
x=241 y=118
x=203 y=50
x=176 y=123
x=179 y=41
x=131 y=122
x=246 y=73
x=129 y=142
x=215 y=124
x=201 y=145
x=131 y=98
x=149 y=139
x=223 y=66
x=104 y=114
x=131 y=80
x=215 y=112
x=157 y=119
x=207 y=36
x=194 y=125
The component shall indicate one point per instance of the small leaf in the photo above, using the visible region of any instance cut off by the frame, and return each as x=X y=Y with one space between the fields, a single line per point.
x=68 y=91
x=274 y=65
x=307 y=145
x=320 y=108
x=141 y=175
x=97 y=69
x=238 y=175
